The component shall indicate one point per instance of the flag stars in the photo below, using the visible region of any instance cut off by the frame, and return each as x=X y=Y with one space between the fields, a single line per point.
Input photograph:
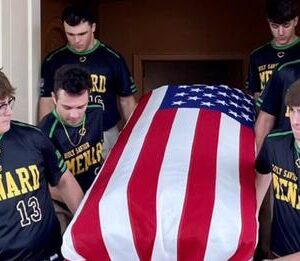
x=178 y=103
x=233 y=113
x=196 y=90
x=246 y=117
x=246 y=108
x=209 y=95
x=248 y=101
x=234 y=104
x=210 y=87
x=193 y=98
x=181 y=94
x=235 y=96
x=208 y=104
x=222 y=102
x=224 y=94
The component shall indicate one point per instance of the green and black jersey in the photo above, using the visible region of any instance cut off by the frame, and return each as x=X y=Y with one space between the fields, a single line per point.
x=272 y=98
x=279 y=156
x=82 y=154
x=29 y=229
x=109 y=73
x=265 y=59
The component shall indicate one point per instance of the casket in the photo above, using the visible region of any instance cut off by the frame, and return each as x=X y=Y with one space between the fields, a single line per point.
x=177 y=185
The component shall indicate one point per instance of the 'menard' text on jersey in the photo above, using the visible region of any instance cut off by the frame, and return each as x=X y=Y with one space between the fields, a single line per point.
x=285 y=185
x=79 y=159
x=265 y=72
x=21 y=181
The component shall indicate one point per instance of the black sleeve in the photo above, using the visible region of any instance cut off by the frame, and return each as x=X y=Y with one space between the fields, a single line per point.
x=271 y=96
x=47 y=79
x=253 y=83
x=54 y=163
x=263 y=163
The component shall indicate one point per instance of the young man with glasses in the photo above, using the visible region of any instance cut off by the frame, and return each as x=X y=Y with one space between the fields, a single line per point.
x=29 y=229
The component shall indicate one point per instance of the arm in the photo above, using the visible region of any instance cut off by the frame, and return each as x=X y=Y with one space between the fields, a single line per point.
x=262 y=183
x=69 y=191
x=127 y=105
x=46 y=105
x=264 y=124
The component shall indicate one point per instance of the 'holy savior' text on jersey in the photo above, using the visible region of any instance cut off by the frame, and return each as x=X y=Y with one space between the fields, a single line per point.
x=109 y=73
x=272 y=98
x=85 y=159
x=29 y=229
x=278 y=156
x=265 y=59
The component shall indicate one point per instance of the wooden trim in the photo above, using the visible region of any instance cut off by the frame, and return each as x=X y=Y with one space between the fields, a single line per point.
x=138 y=60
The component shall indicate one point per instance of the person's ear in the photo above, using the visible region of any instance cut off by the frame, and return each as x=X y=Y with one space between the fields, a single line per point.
x=296 y=20
x=53 y=97
x=94 y=27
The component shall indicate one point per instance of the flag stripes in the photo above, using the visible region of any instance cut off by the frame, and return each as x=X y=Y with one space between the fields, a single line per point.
x=178 y=185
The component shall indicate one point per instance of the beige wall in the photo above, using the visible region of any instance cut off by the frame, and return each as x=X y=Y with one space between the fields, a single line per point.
x=20 y=53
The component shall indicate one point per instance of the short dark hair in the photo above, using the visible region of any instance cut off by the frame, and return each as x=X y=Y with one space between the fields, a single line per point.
x=73 y=79
x=292 y=97
x=281 y=11
x=74 y=15
x=6 y=89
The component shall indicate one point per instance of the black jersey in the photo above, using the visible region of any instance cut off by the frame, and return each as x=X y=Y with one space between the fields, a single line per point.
x=279 y=156
x=272 y=98
x=85 y=159
x=265 y=59
x=109 y=73
x=29 y=229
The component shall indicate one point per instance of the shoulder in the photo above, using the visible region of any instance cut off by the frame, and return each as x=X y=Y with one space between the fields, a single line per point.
x=18 y=126
x=280 y=138
x=48 y=124
x=290 y=65
x=55 y=53
x=94 y=109
x=108 y=51
x=261 y=49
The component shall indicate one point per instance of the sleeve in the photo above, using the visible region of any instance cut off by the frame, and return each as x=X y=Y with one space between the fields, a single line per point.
x=124 y=83
x=47 y=79
x=55 y=166
x=253 y=83
x=263 y=163
x=270 y=99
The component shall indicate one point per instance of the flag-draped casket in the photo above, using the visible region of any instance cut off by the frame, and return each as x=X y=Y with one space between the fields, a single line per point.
x=178 y=184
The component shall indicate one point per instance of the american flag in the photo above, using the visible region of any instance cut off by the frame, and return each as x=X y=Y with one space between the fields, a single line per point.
x=178 y=184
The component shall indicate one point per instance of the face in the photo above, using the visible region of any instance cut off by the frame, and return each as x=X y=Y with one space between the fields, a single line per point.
x=6 y=106
x=284 y=34
x=71 y=108
x=81 y=36
x=295 y=122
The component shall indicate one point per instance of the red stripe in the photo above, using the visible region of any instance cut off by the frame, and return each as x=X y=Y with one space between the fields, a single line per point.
x=247 y=239
x=200 y=194
x=142 y=188
x=86 y=230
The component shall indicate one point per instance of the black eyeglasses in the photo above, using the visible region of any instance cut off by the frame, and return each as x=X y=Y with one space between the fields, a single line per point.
x=10 y=103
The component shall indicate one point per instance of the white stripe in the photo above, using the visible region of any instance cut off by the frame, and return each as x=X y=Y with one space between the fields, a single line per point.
x=172 y=184
x=225 y=227
x=113 y=207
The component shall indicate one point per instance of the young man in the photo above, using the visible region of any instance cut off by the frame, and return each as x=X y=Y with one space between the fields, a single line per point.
x=279 y=160
x=29 y=229
x=75 y=129
x=285 y=46
x=110 y=76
